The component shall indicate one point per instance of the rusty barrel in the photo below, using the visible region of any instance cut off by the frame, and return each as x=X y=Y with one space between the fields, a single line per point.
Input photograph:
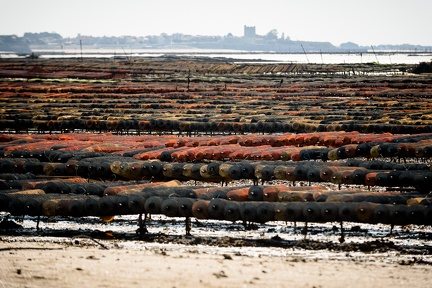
x=240 y=194
x=200 y=209
x=365 y=212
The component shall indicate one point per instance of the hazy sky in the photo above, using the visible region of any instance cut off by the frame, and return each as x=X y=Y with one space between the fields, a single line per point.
x=365 y=22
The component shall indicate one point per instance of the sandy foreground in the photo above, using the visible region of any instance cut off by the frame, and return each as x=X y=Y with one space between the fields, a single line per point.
x=84 y=263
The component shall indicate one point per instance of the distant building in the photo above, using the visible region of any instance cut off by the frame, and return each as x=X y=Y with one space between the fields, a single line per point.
x=249 y=32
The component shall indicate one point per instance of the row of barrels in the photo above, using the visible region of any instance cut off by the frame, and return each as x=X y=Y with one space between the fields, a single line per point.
x=288 y=146
x=350 y=172
x=254 y=105
x=179 y=204
x=157 y=125
x=143 y=65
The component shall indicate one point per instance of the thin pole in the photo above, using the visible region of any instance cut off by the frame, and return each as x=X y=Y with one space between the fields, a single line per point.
x=375 y=54
x=305 y=53
x=81 y=50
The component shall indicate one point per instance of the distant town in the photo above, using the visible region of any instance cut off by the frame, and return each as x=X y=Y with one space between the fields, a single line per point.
x=250 y=41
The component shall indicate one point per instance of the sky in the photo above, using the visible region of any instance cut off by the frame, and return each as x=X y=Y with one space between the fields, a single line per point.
x=365 y=22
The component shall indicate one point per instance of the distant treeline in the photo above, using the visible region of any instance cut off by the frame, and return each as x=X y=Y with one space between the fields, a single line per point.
x=269 y=42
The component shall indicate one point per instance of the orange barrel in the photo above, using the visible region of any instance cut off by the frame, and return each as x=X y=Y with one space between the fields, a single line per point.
x=28 y=192
x=216 y=208
x=288 y=153
x=200 y=209
x=311 y=139
x=311 y=212
x=240 y=194
x=370 y=178
x=327 y=171
x=290 y=174
x=128 y=189
x=136 y=203
x=153 y=205
x=351 y=150
x=214 y=192
x=365 y=211
x=347 y=212
x=329 y=211
x=292 y=196
x=170 y=207
x=271 y=193
x=33 y=184
x=295 y=156
x=333 y=195
x=232 y=211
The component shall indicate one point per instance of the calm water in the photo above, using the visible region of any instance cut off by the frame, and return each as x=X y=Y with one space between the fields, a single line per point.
x=324 y=58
